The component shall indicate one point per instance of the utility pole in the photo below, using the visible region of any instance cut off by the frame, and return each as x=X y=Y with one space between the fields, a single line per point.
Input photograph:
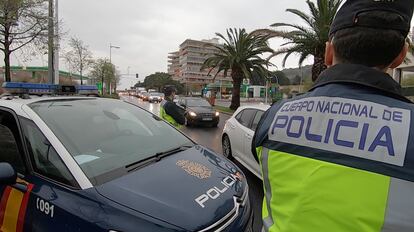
x=57 y=43
x=51 y=73
x=110 y=61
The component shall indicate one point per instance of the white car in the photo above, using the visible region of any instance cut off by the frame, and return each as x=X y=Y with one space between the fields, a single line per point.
x=155 y=97
x=238 y=134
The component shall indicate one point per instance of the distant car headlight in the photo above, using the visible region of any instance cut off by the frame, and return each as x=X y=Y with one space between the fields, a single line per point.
x=217 y=114
x=192 y=114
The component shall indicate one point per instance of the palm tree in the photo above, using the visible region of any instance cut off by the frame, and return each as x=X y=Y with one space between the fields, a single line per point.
x=307 y=40
x=239 y=55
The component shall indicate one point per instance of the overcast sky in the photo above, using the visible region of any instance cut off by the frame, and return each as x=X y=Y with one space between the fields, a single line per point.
x=147 y=31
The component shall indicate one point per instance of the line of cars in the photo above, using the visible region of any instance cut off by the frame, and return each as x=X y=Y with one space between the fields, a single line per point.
x=151 y=96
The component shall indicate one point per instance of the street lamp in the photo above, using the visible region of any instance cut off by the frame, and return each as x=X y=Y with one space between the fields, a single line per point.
x=110 y=51
x=110 y=61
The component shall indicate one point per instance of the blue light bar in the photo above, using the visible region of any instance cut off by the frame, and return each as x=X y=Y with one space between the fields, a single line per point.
x=87 y=89
x=41 y=89
x=29 y=88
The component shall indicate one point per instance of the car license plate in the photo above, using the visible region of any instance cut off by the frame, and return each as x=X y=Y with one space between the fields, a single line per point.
x=207 y=119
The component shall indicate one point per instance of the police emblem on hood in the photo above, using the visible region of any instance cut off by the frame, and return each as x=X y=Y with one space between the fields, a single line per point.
x=194 y=169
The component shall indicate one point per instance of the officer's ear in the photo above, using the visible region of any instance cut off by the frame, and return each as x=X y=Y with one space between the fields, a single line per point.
x=400 y=58
x=329 y=53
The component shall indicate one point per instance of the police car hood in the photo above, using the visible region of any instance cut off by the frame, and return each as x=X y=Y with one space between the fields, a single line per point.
x=191 y=189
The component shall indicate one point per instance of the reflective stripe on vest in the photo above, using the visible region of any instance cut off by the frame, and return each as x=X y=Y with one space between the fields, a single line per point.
x=167 y=117
x=304 y=194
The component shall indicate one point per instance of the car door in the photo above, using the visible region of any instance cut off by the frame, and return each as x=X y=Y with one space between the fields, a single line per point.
x=44 y=197
x=13 y=199
x=54 y=202
x=233 y=132
x=247 y=153
x=243 y=132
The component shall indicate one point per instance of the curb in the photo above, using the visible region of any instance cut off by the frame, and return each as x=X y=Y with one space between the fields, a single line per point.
x=226 y=113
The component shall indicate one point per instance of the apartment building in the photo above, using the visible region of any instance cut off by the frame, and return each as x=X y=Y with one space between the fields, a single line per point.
x=185 y=65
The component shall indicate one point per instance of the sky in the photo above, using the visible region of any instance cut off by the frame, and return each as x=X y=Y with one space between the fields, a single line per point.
x=146 y=31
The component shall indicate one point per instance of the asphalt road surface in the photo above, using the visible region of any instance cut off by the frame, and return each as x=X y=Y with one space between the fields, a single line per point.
x=211 y=138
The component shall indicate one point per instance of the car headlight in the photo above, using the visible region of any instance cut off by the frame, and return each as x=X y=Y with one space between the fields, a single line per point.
x=217 y=114
x=192 y=114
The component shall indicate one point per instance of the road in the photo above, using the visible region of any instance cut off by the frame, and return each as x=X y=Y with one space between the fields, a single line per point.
x=211 y=138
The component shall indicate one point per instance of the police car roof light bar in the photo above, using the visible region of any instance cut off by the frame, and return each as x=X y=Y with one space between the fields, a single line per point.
x=29 y=88
x=20 y=88
x=87 y=90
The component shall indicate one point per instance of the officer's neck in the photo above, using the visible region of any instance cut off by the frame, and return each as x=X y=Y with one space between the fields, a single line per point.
x=382 y=68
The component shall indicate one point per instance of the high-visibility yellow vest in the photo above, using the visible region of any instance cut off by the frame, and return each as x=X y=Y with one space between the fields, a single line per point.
x=339 y=158
x=167 y=117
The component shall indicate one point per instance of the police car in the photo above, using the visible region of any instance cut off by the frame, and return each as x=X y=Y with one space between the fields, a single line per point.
x=75 y=163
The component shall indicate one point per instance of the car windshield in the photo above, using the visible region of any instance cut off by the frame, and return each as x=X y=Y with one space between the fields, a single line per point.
x=105 y=135
x=156 y=94
x=197 y=102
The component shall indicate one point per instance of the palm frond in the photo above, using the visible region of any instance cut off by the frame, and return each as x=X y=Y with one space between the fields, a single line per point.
x=304 y=16
x=308 y=39
x=240 y=54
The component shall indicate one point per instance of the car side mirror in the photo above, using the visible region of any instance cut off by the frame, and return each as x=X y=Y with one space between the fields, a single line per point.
x=8 y=176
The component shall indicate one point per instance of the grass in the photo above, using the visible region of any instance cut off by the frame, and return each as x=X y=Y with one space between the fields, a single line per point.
x=224 y=109
x=114 y=96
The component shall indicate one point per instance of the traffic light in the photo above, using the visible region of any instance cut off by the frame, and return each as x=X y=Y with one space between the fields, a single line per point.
x=136 y=75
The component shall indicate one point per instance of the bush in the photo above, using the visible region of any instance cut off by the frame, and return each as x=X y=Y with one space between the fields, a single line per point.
x=113 y=96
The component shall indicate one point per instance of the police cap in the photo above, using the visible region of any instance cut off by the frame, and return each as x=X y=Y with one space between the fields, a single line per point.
x=169 y=89
x=351 y=14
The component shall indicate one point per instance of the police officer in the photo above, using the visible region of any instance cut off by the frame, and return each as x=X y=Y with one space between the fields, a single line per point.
x=341 y=157
x=169 y=111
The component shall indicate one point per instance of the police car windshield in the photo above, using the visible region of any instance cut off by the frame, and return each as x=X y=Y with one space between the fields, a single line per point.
x=105 y=135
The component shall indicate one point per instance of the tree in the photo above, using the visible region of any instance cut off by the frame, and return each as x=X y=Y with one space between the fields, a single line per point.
x=297 y=80
x=139 y=84
x=79 y=58
x=104 y=71
x=280 y=77
x=257 y=80
x=160 y=79
x=21 y=22
x=307 y=40
x=156 y=80
x=240 y=55
x=277 y=77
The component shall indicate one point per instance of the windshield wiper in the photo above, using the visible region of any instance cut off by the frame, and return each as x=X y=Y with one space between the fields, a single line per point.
x=163 y=154
x=155 y=158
